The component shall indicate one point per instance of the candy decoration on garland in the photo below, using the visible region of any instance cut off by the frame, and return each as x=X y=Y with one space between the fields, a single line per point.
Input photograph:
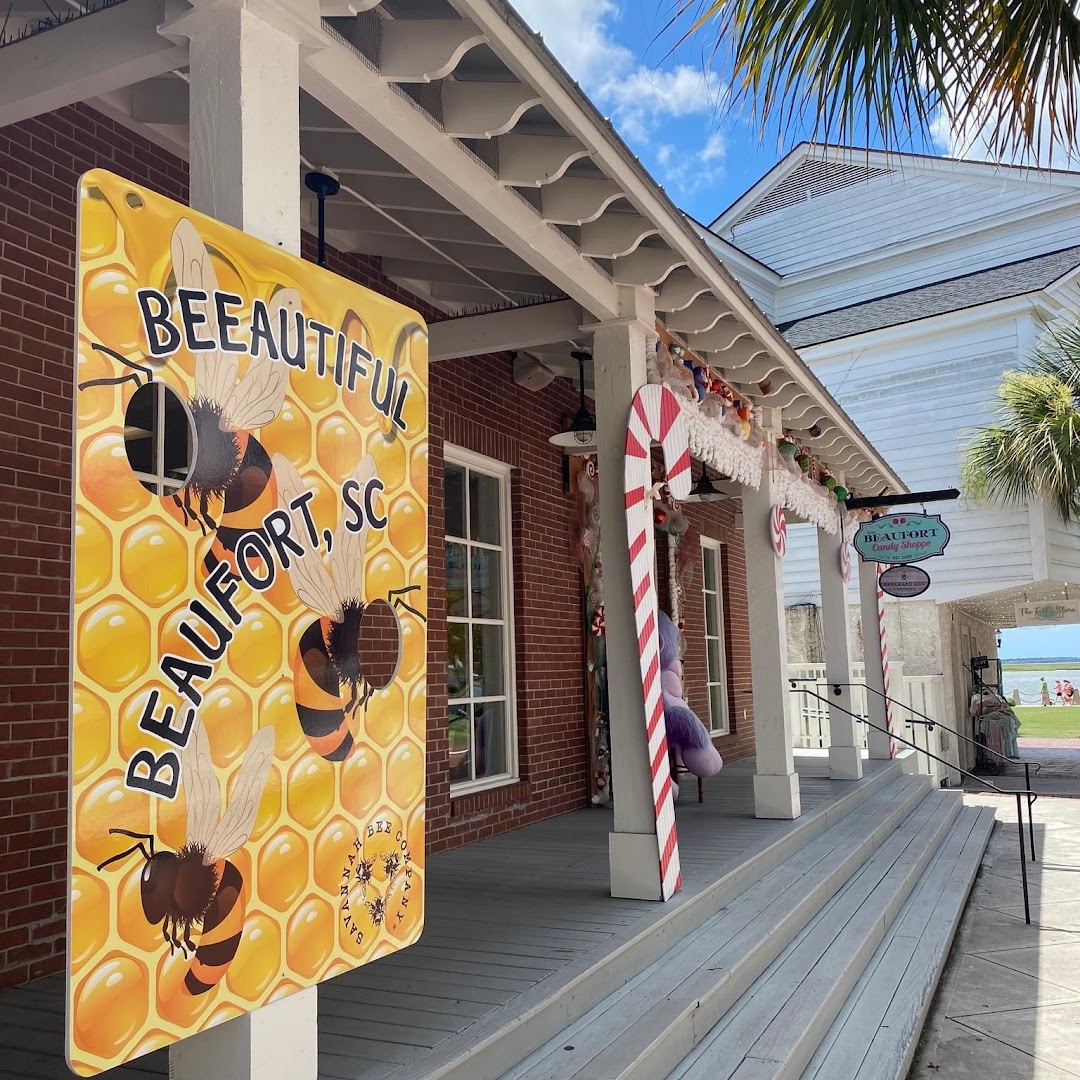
x=655 y=415
x=845 y=560
x=778 y=530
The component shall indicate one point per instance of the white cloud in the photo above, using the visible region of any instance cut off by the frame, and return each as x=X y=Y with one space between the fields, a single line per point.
x=576 y=32
x=686 y=172
x=639 y=99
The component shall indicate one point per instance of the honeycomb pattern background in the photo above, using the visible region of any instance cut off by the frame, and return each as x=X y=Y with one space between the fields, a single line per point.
x=136 y=567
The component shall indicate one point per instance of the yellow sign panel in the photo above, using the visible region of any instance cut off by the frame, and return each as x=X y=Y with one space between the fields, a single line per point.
x=249 y=647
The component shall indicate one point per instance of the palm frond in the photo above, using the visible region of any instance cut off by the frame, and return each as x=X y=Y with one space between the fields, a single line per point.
x=846 y=68
x=1032 y=450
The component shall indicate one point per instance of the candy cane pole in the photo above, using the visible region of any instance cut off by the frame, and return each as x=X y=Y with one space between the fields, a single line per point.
x=654 y=416
x=885 y=663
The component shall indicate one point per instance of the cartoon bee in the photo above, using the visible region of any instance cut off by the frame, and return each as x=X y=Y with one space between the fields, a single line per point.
x=197 y=885
x=230 y=463
x=328 y=659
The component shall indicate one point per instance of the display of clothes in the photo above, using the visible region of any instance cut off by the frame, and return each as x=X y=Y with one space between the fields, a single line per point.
x=997 y=725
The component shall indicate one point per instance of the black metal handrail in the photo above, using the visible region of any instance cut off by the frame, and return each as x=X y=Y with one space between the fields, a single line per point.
x=929 y=723
x=978 y=779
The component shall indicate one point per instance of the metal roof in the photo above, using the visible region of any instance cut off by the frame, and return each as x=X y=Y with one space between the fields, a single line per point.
x=939 y=298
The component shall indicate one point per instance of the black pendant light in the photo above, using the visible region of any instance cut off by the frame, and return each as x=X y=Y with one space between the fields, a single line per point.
x=580 y=437
x=324 y=186
x=704 y=490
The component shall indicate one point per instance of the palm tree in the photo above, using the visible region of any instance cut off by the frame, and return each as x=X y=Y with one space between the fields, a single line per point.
x=1033 y=448
x=1005 y=69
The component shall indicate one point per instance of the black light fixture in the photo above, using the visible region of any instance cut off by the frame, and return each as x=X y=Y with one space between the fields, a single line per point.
x=580 y=437
x=704 y=490
x=323 y=185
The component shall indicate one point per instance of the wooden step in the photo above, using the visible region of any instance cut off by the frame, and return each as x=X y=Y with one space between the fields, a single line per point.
x=487 y=1049
x=643 y=1029
x=876 y=1033
x=772 y=1031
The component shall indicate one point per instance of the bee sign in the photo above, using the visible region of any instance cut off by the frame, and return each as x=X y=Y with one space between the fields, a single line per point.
x=898 y=539
x=249 y=626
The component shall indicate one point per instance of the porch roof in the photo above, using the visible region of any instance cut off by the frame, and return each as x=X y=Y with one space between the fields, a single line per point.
x=472 y=165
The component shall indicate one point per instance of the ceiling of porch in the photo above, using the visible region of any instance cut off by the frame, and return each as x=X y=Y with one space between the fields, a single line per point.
x=506 y=190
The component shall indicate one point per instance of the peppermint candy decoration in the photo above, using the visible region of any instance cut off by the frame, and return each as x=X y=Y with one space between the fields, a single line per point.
x=778 y=531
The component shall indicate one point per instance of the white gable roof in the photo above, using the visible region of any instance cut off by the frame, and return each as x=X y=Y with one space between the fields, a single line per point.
x=823 y=205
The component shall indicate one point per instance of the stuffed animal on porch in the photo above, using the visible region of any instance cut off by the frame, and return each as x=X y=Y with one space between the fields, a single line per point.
x=685 y=732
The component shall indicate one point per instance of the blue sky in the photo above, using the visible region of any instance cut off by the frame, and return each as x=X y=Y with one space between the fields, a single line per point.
x=665 y=104
x=1030 y=641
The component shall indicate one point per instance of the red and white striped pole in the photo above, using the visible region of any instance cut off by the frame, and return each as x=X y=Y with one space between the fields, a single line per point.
x=654 y=416
x=885 y=662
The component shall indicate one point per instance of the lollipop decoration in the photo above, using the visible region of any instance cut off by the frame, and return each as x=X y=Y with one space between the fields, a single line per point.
x=778 y=531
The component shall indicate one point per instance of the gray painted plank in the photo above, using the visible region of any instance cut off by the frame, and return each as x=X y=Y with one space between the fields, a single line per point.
x=396 y=1034
x=333 y=1067
x=464 y=1012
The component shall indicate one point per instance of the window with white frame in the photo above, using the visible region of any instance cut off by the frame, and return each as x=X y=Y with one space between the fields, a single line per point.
x=479 y=631
x=158 y=437
x=713 y=595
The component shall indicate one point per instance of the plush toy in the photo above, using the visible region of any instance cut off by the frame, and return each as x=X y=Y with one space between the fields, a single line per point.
x=686 y=733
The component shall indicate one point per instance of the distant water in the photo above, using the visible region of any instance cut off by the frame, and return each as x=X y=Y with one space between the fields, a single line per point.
x=1028 y=683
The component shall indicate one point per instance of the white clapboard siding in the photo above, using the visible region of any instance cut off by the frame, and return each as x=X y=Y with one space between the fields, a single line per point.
x=909 y=204
x=918 y=400
x=1064 y=550
x=897 y=271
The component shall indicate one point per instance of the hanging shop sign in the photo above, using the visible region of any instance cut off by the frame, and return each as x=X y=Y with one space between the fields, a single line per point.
x=901 y=538
x=249 y=639
x=904 y=581
x=1048 y=613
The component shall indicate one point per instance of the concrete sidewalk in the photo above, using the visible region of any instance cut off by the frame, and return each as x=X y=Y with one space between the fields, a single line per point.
x=1008 y=1005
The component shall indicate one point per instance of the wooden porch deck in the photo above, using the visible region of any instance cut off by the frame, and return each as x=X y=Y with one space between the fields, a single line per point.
x=510 y=920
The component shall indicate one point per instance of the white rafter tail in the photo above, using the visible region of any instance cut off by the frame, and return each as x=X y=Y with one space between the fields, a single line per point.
x=703 y=314
x=348 y=87
x=614 y=234
x=477 y=110
x=756 y=371
x=424 y=50
x=504 y=331
x=646 y=266
x=680 y=291
x=577 y=200
x=343 y=8
x=734 y=342
x=85 y=58
x=534 y=161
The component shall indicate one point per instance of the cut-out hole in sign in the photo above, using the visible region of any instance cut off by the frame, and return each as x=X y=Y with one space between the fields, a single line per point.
x=159 y=437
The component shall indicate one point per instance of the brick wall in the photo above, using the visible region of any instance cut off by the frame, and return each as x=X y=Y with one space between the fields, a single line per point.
x=475 y=404
x=717 y=521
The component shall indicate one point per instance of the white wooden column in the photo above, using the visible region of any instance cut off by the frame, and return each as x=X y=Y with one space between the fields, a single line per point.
x=878 y=742
x=845 y=759
x=619 y=356
x=245 y=171
x=776 y=783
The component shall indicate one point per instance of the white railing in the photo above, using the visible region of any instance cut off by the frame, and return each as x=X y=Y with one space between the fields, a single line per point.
x=924 y=693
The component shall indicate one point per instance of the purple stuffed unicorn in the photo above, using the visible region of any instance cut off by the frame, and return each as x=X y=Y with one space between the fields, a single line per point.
x=686 y=733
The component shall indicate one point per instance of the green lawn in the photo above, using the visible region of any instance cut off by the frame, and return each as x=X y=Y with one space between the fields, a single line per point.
x=1056 y=722
x=1037 y=667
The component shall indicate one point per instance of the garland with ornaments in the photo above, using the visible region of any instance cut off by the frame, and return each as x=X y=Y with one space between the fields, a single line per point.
x=720 y=423
x=724 y=434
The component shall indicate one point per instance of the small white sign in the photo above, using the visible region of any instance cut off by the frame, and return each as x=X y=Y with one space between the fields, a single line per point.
x=1048 y=613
